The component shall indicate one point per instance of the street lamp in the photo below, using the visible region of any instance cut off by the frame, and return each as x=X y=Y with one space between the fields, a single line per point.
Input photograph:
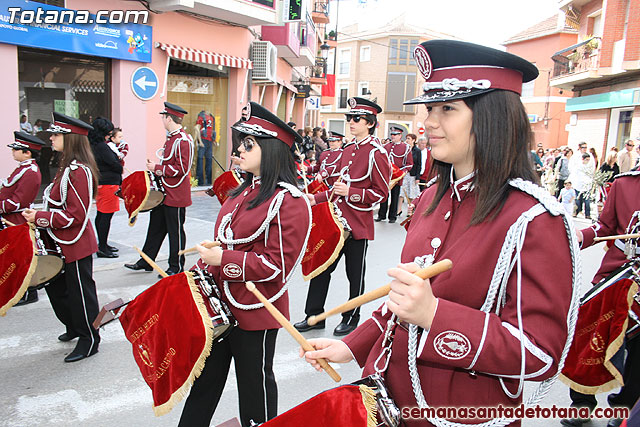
x=324 y=51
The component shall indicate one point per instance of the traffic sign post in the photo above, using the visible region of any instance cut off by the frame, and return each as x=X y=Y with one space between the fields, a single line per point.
x=144 y=83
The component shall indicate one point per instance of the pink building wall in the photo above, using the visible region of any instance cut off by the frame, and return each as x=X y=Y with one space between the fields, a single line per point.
x=9 y=107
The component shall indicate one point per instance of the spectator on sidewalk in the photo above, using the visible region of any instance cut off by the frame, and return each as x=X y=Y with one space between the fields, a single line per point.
x=583 y=179
x=562 y=169
x=627 y=157
x=567 y=197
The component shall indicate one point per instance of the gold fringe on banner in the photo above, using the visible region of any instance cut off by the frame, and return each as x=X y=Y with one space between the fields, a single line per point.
x=27 y=279
x=336 y=251
x=369 y=402
x=183 y=391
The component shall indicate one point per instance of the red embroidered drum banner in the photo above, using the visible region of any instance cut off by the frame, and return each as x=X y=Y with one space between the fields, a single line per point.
x=325 y=240
x=17 y=264
x=135 y=190
x=347 y=405
x=171 y=334
x=600 y=329
x=316 y=186
x=223 y=184
x=396 y=175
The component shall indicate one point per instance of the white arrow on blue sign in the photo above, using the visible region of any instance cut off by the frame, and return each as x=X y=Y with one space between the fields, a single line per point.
x=144 y=83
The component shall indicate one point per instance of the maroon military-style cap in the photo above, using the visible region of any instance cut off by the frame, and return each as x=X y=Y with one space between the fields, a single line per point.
x=260 y=122
x=454 y=70
x=24 y=141
x=359 y=105
x=394 y=130
x=334 y=136
x=174 y=110
x=65 y=124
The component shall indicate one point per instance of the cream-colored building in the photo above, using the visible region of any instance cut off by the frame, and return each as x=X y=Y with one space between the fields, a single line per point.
x=377 y=64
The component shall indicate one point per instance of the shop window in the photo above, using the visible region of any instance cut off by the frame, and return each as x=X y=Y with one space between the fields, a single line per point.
x=75 y=85
x=202 y=90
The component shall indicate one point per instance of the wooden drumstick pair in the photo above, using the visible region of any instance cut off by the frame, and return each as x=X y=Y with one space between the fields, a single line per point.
x=619 y=236
x=195 y=249
x=9 y=223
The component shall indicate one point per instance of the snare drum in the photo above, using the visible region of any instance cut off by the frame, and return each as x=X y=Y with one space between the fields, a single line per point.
x=50 y=260
x=156 y=193
x=221 y=317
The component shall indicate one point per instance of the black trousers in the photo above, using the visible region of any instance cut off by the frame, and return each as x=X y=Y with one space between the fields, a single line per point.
x=252 y=353
x=166 y=220
x=630 y=391
x=394 y=195
x=75 y=303
x=103 y=225
x=355 y=252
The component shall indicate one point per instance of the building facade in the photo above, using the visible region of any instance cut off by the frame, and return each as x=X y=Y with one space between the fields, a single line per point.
x=602 y=71
x=545 y=104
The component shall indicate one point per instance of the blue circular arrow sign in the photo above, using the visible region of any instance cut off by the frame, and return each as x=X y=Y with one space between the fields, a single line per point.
x=144 y=83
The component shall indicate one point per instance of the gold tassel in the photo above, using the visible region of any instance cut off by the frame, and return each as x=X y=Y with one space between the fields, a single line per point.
x=183 y=391
x=369 y=402
x=27 y=279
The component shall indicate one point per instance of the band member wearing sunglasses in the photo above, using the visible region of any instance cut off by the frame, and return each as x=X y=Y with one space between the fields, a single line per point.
x=173 y=171
x=263 y=227
x=66 y=219
x=365 y=170
x=470 y=337
x=400 y=156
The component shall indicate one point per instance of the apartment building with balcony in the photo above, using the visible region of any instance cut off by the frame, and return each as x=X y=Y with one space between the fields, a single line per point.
x=377 y=64
x=545 y=104
x=602 y=72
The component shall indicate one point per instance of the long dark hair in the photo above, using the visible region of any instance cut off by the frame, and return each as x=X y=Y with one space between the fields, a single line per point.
x=503 y=137
x=76 y=147
x=276 y=165
x=101 y=128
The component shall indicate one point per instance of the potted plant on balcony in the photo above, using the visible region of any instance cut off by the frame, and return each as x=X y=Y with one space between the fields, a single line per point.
x=331 y=35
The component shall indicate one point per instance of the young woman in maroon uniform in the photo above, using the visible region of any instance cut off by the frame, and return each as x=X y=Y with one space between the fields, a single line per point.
x=263 y=228
x=471 y=336
x=66 y=219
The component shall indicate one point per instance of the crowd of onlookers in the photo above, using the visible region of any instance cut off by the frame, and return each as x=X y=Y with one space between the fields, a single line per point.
x=579 y=178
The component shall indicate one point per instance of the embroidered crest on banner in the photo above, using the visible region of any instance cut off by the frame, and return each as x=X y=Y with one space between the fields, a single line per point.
x=423 y=60
x=232 y=270
x=452 y=345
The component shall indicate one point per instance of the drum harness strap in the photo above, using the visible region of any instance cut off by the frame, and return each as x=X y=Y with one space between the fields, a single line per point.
x=176 y=147
x=64 y=184
x=508 y=259
x=225 y=235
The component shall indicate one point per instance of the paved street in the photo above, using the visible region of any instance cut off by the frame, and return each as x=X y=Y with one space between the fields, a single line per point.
x=107 y=389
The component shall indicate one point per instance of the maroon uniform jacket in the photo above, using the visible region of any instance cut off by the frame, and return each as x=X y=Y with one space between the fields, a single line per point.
x=623 y=200
x=328 y=166
x=66 y=216
x=19 y=191
x=461 y=359
x=174 y=167
x=263 y=245
x=400 y=155
x=365 y=167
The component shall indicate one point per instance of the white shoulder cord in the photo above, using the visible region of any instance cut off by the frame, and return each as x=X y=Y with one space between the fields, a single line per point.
x=6 y=183
x=225 y=235
x=174 y=147
x=64 y=183
x=514 y=241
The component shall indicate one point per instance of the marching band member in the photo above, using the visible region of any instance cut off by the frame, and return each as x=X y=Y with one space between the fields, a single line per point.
x=400 y=155
x=327 y=166
x=21 y=188
x=66 y=219
x=365 y=170
x=471 y=336
x=173 y=171
x=263 y=227
x=621 y=206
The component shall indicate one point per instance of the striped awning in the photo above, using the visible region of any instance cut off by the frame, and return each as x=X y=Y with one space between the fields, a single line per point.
x=203 y=56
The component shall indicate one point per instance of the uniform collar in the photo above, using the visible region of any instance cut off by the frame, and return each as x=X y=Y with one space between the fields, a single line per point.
x=362 y=141
x=255 y=182
x=175 y=131
x=27 y=162
x=461 y=186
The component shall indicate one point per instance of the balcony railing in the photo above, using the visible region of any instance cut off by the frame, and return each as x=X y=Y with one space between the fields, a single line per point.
x=321 y=7
x=320 y=69
x=578 y=58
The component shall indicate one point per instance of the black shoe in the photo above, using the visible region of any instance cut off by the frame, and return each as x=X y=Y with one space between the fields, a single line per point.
x=67 y=337
x=392 y=220
x=112 y=248
x=378 y=219
x=345 y=328
x=29 y=297
x=135 y=266
x=106 y=254
x=76 y=356
x=304 y=326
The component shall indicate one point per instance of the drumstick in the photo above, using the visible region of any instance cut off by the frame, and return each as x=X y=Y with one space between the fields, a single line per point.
x=293 y=331
x=149 y=261
x=619 y=236
x=9 y=223
x=406 y=220
x=194 y=249
x=334 y=188
x=425 y=273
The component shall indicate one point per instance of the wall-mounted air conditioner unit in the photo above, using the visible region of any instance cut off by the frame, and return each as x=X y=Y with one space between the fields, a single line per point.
x=264 y=56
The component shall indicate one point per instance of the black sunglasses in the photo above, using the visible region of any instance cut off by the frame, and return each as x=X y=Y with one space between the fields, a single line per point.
x=248 y=144
x=356 y=118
